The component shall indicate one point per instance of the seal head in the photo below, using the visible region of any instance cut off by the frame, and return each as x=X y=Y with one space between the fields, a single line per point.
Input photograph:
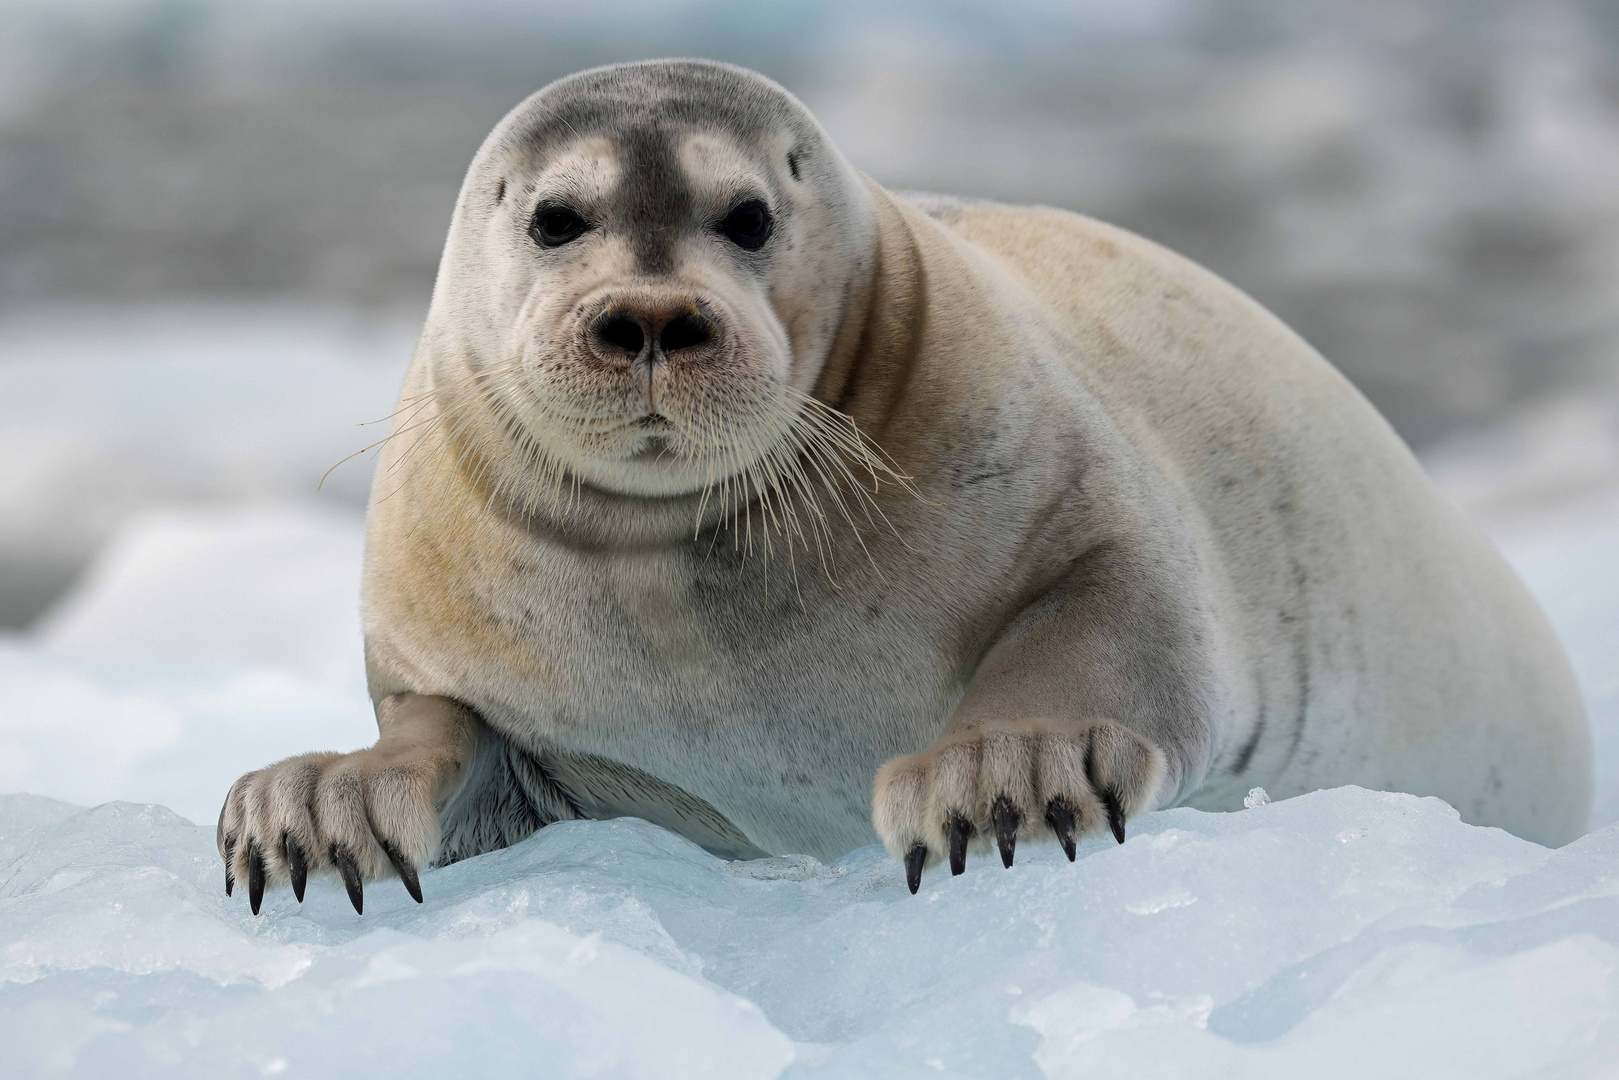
x=644 y=276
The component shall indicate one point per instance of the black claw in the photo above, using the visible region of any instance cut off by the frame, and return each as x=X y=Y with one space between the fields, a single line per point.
x=255 y=876
x=230 y=859
x=1007 y=820
x=297 y=865
x=914 y=859
x=1115 y=813
x=958 y=829
x=351 y=877
x=1060 y=816
x=402 y=867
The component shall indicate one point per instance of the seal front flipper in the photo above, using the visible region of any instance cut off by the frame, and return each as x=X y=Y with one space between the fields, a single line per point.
x=1061 y=734
x=361 y=816
x=1013 y=780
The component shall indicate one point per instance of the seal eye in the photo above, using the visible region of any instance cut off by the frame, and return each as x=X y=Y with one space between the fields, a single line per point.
x=748 y=225
x=555 y=224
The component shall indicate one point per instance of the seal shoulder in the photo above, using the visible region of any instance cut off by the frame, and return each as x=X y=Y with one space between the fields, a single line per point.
x=1082 y=266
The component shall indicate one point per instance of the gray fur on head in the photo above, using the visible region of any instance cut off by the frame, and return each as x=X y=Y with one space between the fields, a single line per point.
x=641 y=108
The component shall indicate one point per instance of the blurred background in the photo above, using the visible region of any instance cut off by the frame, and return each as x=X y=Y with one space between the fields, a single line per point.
x=220 y=221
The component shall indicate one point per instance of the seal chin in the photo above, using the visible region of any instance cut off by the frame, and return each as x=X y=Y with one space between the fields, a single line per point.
x=653 y=470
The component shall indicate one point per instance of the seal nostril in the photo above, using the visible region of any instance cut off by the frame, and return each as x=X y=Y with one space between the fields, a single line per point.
x=622 y=333
x=684 y=332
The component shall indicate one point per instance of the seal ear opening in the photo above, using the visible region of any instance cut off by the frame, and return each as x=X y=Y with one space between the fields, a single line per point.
x=792 y=163
x=500 y=191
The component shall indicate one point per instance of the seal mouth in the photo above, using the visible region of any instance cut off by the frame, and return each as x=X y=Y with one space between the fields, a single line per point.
x=652 y=423
x=656 y=429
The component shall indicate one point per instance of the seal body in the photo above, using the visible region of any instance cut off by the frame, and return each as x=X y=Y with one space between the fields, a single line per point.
x=1033 y=521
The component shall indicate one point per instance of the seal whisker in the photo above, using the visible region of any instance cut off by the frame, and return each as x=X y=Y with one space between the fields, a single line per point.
x=459 y=416
x=412 y=405
x=827 y=456
x=788 y=459
x=836 y=445
x=775 y=508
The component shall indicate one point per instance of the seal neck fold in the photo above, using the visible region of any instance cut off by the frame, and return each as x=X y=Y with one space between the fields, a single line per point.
x=874 y=354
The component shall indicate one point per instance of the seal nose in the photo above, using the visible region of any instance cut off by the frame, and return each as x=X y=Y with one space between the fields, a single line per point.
x=684 y=331
x=630 y=331
x=621 y=333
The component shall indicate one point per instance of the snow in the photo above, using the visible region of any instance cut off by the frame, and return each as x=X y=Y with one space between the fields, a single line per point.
x=1343 y=933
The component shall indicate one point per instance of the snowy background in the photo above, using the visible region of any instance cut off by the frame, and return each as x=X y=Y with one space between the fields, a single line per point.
x=218 y=226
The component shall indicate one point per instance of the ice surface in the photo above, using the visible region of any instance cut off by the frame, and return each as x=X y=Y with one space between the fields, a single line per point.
x=1344 y=933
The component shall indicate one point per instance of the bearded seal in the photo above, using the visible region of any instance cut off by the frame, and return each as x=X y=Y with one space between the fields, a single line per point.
x=726 y=482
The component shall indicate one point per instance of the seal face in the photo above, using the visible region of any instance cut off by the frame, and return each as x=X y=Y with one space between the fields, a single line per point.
x=660 y=244
x=734 y=492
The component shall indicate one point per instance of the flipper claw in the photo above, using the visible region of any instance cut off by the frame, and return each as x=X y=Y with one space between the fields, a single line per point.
x=914 y=859
x=957 y=830
x=402 y=867
x=1060 y=816
x=1007 y=819
x=1115 y=813
x=351 y=877
x=255 y=876
x=297 y=867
